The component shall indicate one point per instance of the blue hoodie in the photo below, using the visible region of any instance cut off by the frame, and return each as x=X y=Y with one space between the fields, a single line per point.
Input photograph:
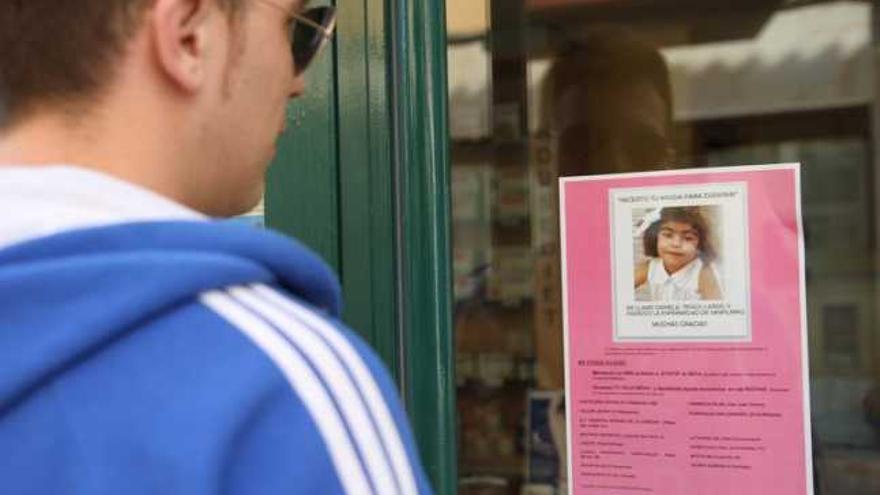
x=188 y=357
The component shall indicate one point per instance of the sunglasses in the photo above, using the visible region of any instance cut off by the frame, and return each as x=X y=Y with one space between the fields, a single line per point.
x=310 y=31
x=309 y=34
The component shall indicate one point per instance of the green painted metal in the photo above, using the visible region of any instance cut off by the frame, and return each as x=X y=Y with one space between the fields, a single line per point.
x=366 y=177
x=362 y=177
x=331 y=184
x=302 y=198
x=421 y=155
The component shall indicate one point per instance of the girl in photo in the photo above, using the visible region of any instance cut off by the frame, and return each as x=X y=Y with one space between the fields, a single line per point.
x=680 y=255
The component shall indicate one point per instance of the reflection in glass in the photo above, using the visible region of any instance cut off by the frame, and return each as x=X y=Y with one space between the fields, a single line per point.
x=541 y=89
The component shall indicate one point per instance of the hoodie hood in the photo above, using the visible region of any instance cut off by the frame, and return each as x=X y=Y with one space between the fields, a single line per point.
x=65 y=296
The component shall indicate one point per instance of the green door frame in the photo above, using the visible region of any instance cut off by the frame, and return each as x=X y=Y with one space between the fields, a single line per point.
x=421 y=145
x=364 y=180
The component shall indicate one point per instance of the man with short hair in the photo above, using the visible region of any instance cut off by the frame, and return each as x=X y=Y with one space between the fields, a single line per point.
x=145 y=348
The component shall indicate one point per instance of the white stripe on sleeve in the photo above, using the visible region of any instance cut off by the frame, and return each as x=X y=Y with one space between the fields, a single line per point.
x=336 y=380
x=304 y=382
x=364 y=380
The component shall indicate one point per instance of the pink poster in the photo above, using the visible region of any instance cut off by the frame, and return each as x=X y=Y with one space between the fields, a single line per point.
x=685 y=332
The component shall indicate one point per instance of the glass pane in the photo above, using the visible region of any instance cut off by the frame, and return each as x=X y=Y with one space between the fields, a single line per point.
x=546 y=88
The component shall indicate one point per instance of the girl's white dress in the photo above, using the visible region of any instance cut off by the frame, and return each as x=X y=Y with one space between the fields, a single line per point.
x=682 y=285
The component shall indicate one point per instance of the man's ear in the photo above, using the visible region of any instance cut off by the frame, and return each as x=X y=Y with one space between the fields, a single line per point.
x=179 y=32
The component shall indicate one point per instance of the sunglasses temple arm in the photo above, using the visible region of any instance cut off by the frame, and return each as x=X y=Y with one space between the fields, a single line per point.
x=326 y=31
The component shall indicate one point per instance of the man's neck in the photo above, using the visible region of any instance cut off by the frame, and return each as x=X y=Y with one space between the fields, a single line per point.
x=114 y=148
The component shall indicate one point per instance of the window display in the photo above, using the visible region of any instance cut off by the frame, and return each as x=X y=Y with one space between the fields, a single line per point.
x=543 y=89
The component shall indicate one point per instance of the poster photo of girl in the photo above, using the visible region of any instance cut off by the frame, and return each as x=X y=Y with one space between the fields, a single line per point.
x=677 y=251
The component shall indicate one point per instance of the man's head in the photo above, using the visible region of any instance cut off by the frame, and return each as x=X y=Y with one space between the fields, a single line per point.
x=608 y=99
x=186 y=97
x=63 y=51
